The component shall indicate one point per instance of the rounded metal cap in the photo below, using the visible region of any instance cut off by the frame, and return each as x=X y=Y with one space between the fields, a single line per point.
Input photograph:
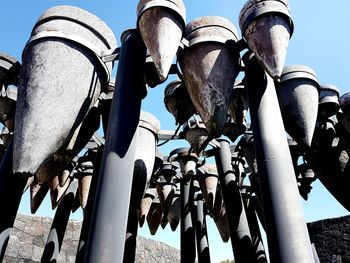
x=150 y=122
x=329 y=94
x=299 y=72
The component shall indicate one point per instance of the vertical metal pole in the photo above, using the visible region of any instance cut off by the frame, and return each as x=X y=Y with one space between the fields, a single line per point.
x=59 y=225
x=203 y=251
x=188 y=238
x=85 y=228
x=287 y=233
x=254 y=228
x=11 y=190
x=110 y=214
x=237 y=220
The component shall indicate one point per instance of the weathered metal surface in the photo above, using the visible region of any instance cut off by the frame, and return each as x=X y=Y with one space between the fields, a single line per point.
x=9 y=69
x=145 y=205
x=284 y=217
x=155 y=20
x=154 y=216
x=209 y=69
x=208 y=181
x=59 y=81
x=267 y=27
x=166 y=191
x=298 y=95
x=175 y=211
x=197 y=135
x=178 y=102
x=329 y=101
x=56 y=191
x=37 y=195
x=85 y=171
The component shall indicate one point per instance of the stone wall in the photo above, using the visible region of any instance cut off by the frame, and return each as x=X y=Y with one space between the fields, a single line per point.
x=332 y=239
x=29 y=236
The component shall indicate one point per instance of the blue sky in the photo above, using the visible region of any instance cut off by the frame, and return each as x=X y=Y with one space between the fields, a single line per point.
x=321 y=41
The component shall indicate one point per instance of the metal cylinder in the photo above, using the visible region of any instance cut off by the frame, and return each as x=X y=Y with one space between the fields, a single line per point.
x=109 y=220
x=286 y=230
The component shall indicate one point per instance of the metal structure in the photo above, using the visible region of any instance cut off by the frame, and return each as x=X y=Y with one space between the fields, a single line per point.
x=121 y=179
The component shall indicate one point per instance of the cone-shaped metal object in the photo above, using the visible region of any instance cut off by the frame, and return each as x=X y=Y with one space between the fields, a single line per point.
x=29 y=182
x=174 y=212
x=344 y=101
x=166 y=191
x=154 y=216
x=208 y=181
x=178 y=102
x=197 y=135
x=267 y=27
x=329 y=101
x=85 y=171
x=209 y=69
x=49 y=170
x=57 y=192
x=161 y=24
x=37 y=195
x=145 y=205
x=298 y=95
x=61 y=78
x=222 y=225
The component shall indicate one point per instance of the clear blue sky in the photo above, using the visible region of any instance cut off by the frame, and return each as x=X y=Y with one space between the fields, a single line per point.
x=321 y=40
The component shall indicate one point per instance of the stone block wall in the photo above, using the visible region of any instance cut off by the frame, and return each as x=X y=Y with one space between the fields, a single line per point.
x=28 y=238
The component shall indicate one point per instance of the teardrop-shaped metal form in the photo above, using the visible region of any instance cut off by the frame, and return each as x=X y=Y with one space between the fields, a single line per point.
x=175 y=211
x=154 y=216
x=267 y=26
x=222 y=225
x=61 y=78
x=178 y=102
x=329 y=101
x=209 y=69
x=85 y=171
x=29 y=182
x=344 y=101
x=298 y=95
x=166 y=191
x=145 y=205
x=208 y=182
x=57 y=192
x=196 y=134
x=37 y=195
x=161 y=24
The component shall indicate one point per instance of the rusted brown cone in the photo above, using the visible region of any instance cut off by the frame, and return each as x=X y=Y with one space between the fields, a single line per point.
x=154 y=216
x=61 y=78
x=329 y=101
x=208 y=181
x=37 y=195
x=178 y=102
x=196 y=134
x=161 y=24
x=174 y=213
x=298 y=96
x=84 y=173
x=266 y=25
x=209 y=69
x=145 y=205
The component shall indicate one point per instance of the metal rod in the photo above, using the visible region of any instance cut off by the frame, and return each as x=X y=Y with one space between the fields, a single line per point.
x=11 y=189
x=188 y=238
x=203 y=251
x=286 y=229
x=237 y=220
x=59 y=225
x=85 y=228
x=110 y=214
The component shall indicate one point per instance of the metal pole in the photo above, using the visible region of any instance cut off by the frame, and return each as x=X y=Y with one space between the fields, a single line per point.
x=287 y=233
x=11 y=190
x=237 y=220
x=254 y=228
x=59 y=225
x=110 y=214
x=85 y=228
x=203 y=251
x=188 y=238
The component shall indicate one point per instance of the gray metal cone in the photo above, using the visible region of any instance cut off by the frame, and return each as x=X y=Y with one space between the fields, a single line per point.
x=162 y=32
x=174 y=213
x=37 y=195
x=268 y=37
x=154 y=217
x=197 y=138
x=298 y=98
x=84 y=187
x=209 y=70
x=59 y=82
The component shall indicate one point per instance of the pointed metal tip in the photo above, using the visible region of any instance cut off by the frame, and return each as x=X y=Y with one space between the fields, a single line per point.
x=162 y=75
x=142 y=220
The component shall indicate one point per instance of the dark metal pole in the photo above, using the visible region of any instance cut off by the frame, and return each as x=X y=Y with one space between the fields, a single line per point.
x=85 y=228
x=59 y=225
x=11 y=190
x=203 y=251
x=110 y=214
x=188 y=238
x=287 y=233
x=254 y=228
x=237 y=220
